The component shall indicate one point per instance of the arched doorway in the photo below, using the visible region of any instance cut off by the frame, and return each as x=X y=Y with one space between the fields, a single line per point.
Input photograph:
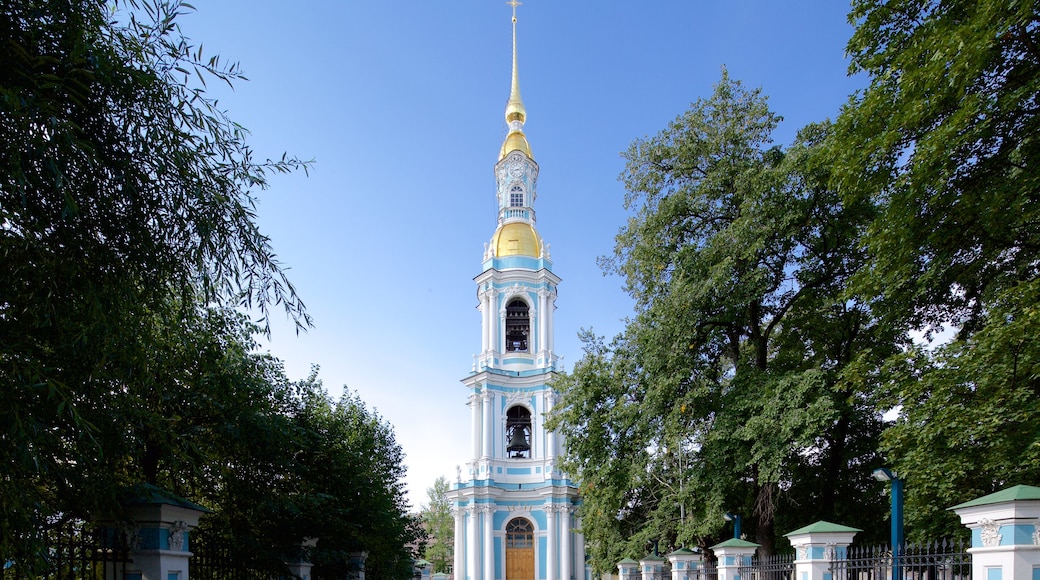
x=519 y=550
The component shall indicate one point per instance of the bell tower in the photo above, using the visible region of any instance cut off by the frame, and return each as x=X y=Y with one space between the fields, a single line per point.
x=514 y=508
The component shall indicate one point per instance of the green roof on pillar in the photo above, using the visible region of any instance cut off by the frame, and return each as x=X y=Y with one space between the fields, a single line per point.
x=1016 y=493
x=736 y=543
x=628 y=561
x=683 y=552
x=822 y=527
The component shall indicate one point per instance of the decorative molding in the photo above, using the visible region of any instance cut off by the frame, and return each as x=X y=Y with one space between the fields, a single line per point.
x=830 y=553
x=176 y=535
x=518 y=396
x=487 y=508
x=803 y=552
x=990 y=532
x=1036 y=532
x=520 y=509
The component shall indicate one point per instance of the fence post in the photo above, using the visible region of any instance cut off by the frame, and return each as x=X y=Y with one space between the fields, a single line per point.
x=733 y=554
x=302 y=567
x=159 y=539
x=685 y=564
x=652 y=567
x=628 y=569
x=1005 y=534
x=356 y=565
x=817 y=546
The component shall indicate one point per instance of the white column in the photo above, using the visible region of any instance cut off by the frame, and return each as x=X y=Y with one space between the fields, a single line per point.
x=567 y=560
x=493 y=316
x=489 y=399
x=489 y=546
x=459 y=546
x=550 y=402
x=543 y=329
x=550 y=542
x=579 y=548
x=485 y=321
x=475 y=419
x=472 y=546
x=551 y=330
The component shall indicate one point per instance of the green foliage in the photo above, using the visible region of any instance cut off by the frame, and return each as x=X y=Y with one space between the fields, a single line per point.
x=945 y=139
x=742 y=383
x=439 y=523
x=128 y=240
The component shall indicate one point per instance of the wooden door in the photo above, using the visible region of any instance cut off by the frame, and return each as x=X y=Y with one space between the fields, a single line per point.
x=519 y=550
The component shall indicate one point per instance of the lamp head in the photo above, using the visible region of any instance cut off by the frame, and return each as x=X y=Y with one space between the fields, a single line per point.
x=883 y=474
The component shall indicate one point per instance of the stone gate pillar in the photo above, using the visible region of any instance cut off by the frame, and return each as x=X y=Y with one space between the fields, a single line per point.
x=159 y=541
x=1005 y=534
x=733 y=554
x=816 y=546
x=686 y=564
x=628 y=569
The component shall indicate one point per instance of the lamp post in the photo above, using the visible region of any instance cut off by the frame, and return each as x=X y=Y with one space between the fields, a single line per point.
x=735 y=518
x=884 y=474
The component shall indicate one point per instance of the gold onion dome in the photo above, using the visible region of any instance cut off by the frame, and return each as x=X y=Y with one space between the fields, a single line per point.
x=516 y=114
x=517 y=239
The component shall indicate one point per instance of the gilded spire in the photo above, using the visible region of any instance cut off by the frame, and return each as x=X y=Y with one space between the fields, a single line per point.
x=516 y=114
x=515 y=107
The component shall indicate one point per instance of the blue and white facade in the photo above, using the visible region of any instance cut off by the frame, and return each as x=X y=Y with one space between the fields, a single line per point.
x=514 y=508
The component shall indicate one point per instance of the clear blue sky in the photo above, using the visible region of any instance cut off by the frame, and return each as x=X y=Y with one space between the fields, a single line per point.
x=400 y=104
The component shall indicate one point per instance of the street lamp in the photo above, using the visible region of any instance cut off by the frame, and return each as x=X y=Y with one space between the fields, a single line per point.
x=735 y=518
x=885 y=474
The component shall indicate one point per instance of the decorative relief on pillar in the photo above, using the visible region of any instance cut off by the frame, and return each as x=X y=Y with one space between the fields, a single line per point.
x=831 y=553
x=990 y=532
x=176 y=535
x=1036 y=533
x=488 y=396
x=133 y=537
x=487 y=508
x=803 y=553
x=473 y=399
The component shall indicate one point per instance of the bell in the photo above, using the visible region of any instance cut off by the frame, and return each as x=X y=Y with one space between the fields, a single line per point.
x=518 y=442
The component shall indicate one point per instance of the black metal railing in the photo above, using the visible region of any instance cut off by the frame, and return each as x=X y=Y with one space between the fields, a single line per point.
x=940 y=560
x=774 y=567
x=74 y=550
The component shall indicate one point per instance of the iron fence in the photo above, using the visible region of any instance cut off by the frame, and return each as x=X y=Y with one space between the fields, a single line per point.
x=940 y=560
x=774 y=567
x=74 y=550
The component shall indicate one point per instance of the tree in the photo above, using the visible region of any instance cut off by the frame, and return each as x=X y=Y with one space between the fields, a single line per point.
x=440 y=526
x=742 y=382
x=945 y=140
x=126 y=199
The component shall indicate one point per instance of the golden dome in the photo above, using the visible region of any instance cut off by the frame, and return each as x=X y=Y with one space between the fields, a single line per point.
x=517 y=239
x=515 y=141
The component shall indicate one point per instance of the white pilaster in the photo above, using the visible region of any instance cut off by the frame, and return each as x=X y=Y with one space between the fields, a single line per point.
x=567 y=558
x=458 y=565
x=489 y=546
x=489 y=400
x=475 y=418
x=485 y=321
x=543 y=328
x=472 y=545
x=550 y=542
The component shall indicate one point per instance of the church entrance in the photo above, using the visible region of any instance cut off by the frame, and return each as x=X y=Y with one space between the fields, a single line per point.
x=519 y=550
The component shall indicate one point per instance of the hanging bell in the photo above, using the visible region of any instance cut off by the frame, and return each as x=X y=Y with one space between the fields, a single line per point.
x=518 y=442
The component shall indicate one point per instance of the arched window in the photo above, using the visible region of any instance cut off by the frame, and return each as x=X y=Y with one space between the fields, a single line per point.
x=519 y=533
x=518 y=324
x=518 y=432
x=516 y=196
